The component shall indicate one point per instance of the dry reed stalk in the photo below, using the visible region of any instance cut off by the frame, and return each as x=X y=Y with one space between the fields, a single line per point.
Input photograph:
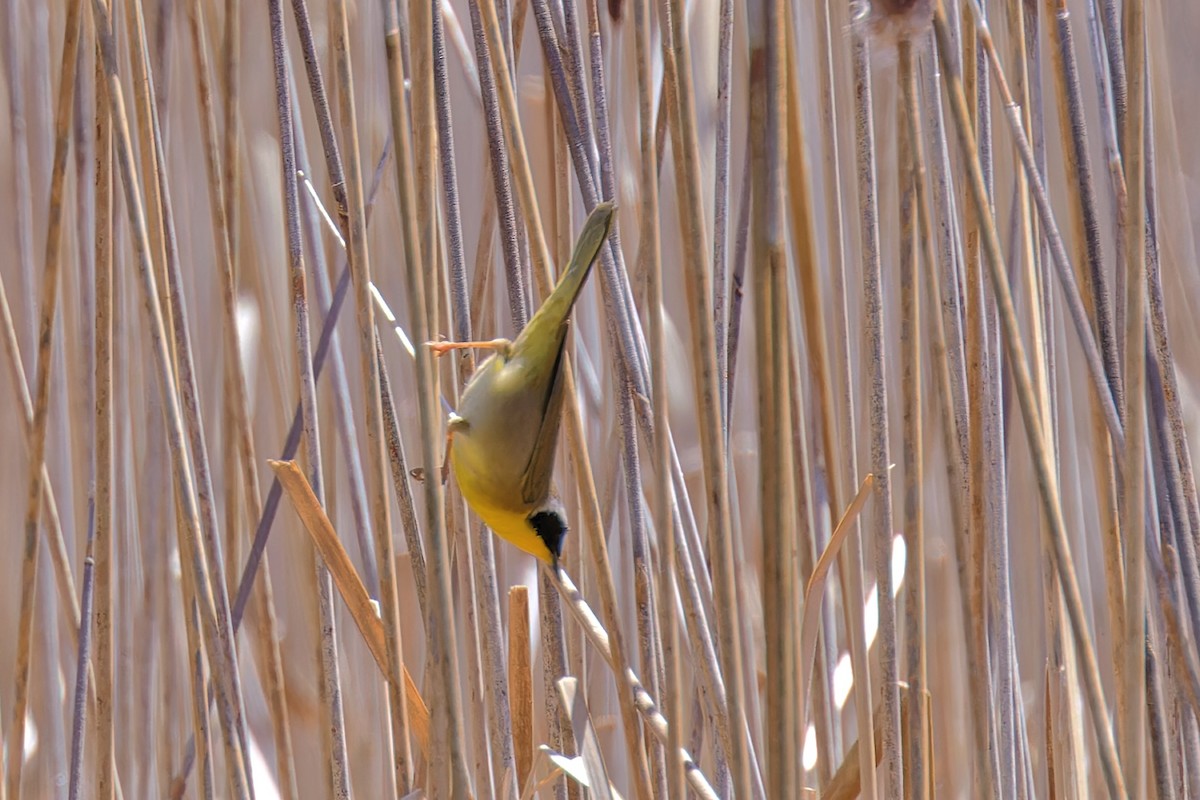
x=653 y=718
x=844 y=474
x=502 y=199
x=803 y=225
x=197 y=669
x=1047 y=484
x=679 y=96
x=447 y=721
x=1132 y=217
x=644 y=590
x=911 y=176
x=1164 y=384
x=1099 y=381
x=721 y=203
x=169 y=295
x=520 y=681
x=102 y=545
x=360 y=271
x=650 y=256
x=24 y=235
x=875 y=356
x=947 y=286
x=231 y=709
x=1085 y=224
x=37 y=438
x=333 y=723
x=768 y=145
x=224 y=221
x=979 y=444
x=144 y=100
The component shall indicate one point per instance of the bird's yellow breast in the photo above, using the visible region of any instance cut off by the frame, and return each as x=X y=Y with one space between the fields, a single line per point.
x=506 y=516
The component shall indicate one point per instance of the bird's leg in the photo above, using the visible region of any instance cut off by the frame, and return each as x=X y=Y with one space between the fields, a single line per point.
x=441 y=348
x=456 y=422
x=446 y=457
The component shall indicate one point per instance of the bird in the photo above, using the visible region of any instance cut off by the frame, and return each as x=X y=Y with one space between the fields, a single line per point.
x=502 y=438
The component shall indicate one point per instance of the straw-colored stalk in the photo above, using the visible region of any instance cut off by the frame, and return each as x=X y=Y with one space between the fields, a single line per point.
x=680 y=100
x=874 y=355
x=651 y=261
x=360 y=271
x=102 y=546
x=1132 y=217
x=41 y=396
x=332 y=720
x=916 y=241
x=843 y=472
x=451 y=772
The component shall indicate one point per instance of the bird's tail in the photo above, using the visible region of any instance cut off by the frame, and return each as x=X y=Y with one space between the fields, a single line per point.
x=557 y=307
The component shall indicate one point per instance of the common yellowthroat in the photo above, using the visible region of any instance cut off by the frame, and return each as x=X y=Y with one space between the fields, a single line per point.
x=501 y=440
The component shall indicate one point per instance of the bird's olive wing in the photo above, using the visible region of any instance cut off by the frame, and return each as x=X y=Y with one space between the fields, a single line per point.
x=535 y=482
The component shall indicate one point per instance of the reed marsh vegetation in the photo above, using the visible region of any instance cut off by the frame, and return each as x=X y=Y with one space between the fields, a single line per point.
x=876 y=433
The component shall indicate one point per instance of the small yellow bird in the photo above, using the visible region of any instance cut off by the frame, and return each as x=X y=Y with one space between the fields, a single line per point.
x=501 y=440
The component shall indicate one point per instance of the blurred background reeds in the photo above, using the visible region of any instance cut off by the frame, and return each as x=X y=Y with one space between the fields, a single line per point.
x=875 y=447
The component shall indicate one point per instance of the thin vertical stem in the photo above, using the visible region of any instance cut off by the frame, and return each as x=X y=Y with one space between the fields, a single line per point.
x=875 y=356
x=333 y=723
x=41 y=396
x=360 y=272
x=446 y=700
x=913 y=197
x=678 y=66
x=1132 y=217
x=102 y=546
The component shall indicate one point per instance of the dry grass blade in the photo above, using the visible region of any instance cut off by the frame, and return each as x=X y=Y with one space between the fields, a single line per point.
x=363 y=609
x=814 y=592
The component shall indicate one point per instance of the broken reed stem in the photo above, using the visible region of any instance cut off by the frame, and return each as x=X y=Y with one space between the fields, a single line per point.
x=1047 y=484
x=445 y=700
x=41 y=397
x=520 y=681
